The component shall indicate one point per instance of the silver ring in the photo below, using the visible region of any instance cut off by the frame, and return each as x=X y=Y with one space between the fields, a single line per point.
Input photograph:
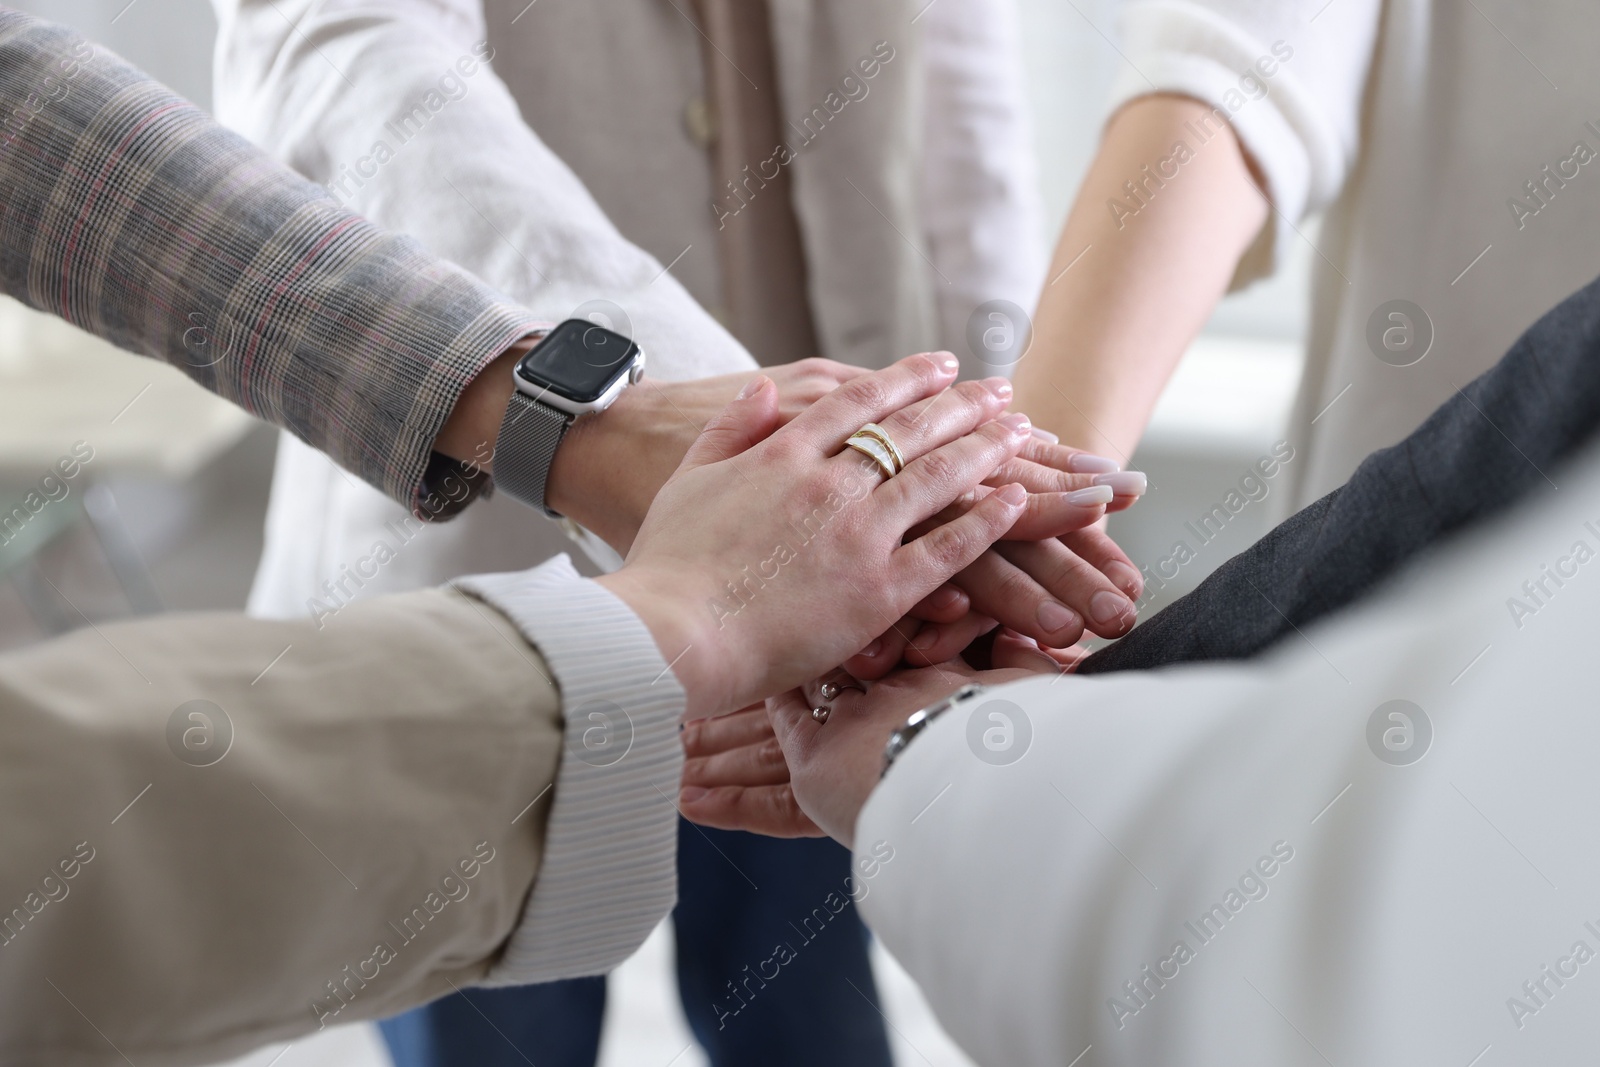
x=829 y=691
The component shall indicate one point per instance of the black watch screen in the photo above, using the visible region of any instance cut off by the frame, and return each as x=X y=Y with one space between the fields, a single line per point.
x=578 y=360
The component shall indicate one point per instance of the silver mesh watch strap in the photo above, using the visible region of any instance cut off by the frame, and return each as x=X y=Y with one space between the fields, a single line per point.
x=529 y=436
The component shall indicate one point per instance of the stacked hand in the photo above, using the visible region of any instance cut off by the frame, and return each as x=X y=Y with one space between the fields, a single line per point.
x=771 y=769
x=1055 y=575
x=771 y=554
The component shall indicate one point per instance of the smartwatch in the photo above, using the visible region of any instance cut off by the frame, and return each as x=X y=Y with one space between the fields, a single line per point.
x=578 y=368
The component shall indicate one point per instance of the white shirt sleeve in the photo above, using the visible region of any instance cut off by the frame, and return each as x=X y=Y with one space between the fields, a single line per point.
x=609 y=870
x=1276 y=863
x=1289 y=75
x=395 y=108
x=980 y=206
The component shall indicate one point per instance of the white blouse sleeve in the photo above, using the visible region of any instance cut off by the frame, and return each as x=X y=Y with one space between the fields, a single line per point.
x=1368 y=848
x=1289 y=75
x=980 y=207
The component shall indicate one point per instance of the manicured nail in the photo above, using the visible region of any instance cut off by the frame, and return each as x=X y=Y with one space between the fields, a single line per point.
x=1045 y=435
x=1013 y=494
x=1017 y=421
x=1055 y=617
x=1107 y=608
x=1125 y=578
x=1085 y=463
x=1094 y=496
x=947 y=362
x=691 y=793
x=753 y=386
x=1124 y=483
x=999 y=387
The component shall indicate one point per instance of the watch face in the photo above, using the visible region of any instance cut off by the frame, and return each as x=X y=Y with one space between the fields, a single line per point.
x=578 y=361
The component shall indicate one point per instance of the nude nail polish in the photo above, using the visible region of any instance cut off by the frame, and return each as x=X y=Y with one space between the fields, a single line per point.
x=1124 y=483
x=1086 y=463
x=1091 y=497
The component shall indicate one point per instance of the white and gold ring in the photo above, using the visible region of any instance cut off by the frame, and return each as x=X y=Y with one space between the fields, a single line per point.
x=874 y=442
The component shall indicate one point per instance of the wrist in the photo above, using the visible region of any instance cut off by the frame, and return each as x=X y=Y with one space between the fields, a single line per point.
x=473 y=428
x=687 y=642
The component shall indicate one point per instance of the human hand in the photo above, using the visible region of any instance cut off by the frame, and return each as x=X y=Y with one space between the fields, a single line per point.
x=611 y=464
x=771 y=554
x=1054 y=576
x=776 y=771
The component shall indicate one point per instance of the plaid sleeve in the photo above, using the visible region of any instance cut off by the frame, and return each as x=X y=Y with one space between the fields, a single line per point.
x=130 y=213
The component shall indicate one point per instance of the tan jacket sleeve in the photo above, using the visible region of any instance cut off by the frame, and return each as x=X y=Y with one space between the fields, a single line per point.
x=220 y=832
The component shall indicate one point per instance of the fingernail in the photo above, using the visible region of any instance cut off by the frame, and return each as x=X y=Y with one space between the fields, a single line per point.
x=947 y=362
x=945 y=597
x=1017 y=421
x=1055 y=617
x=925 y=640
x=999 y=387
x=1124 y=483
x=1085 y=463
x=1091 y=497
x=1013 y=494
x=1125 y=578
x=1107 y=608
x=1045 y=435
x=691 y=793
x=753 y=386
x=874 y=648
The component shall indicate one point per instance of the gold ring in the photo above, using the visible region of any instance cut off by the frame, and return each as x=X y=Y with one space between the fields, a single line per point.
x=874 y=430
x=873 y=449
x=874 y=441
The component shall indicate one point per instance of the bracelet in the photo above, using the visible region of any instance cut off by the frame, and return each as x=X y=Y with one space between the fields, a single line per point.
x=919 y=722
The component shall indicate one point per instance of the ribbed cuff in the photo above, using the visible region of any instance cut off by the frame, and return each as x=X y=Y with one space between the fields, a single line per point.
x=609 y=872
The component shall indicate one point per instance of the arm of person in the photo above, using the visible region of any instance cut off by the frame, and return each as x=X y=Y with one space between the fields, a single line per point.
x=1271 y=863
x=338 y=818
x=301 y=824
x=1230 y=123
x=131 y=214
x=1128 y=293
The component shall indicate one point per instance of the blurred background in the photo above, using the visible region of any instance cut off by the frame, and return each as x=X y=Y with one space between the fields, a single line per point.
x=167 y=514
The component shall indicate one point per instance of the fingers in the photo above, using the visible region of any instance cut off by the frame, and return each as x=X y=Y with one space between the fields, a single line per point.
x=749 y=419
x=1016 y=651
x=707 y=737
x=951 y=547
x=939 y=643
x=1096 y=548
x=956 y=412
x=757 y=763
x=874 y=397
x=768 y=809
x=1105 y=609
x=883 y=654
x=1001 y=589
x=945 y=604
x=931 y=482
x=1087 y=470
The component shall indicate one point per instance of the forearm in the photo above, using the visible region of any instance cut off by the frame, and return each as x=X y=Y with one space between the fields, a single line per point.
x=132 y=214
x=265 y=804
x=1137 y=273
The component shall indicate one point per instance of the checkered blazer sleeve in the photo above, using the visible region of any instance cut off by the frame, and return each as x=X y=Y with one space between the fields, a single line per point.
x=130 y=213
